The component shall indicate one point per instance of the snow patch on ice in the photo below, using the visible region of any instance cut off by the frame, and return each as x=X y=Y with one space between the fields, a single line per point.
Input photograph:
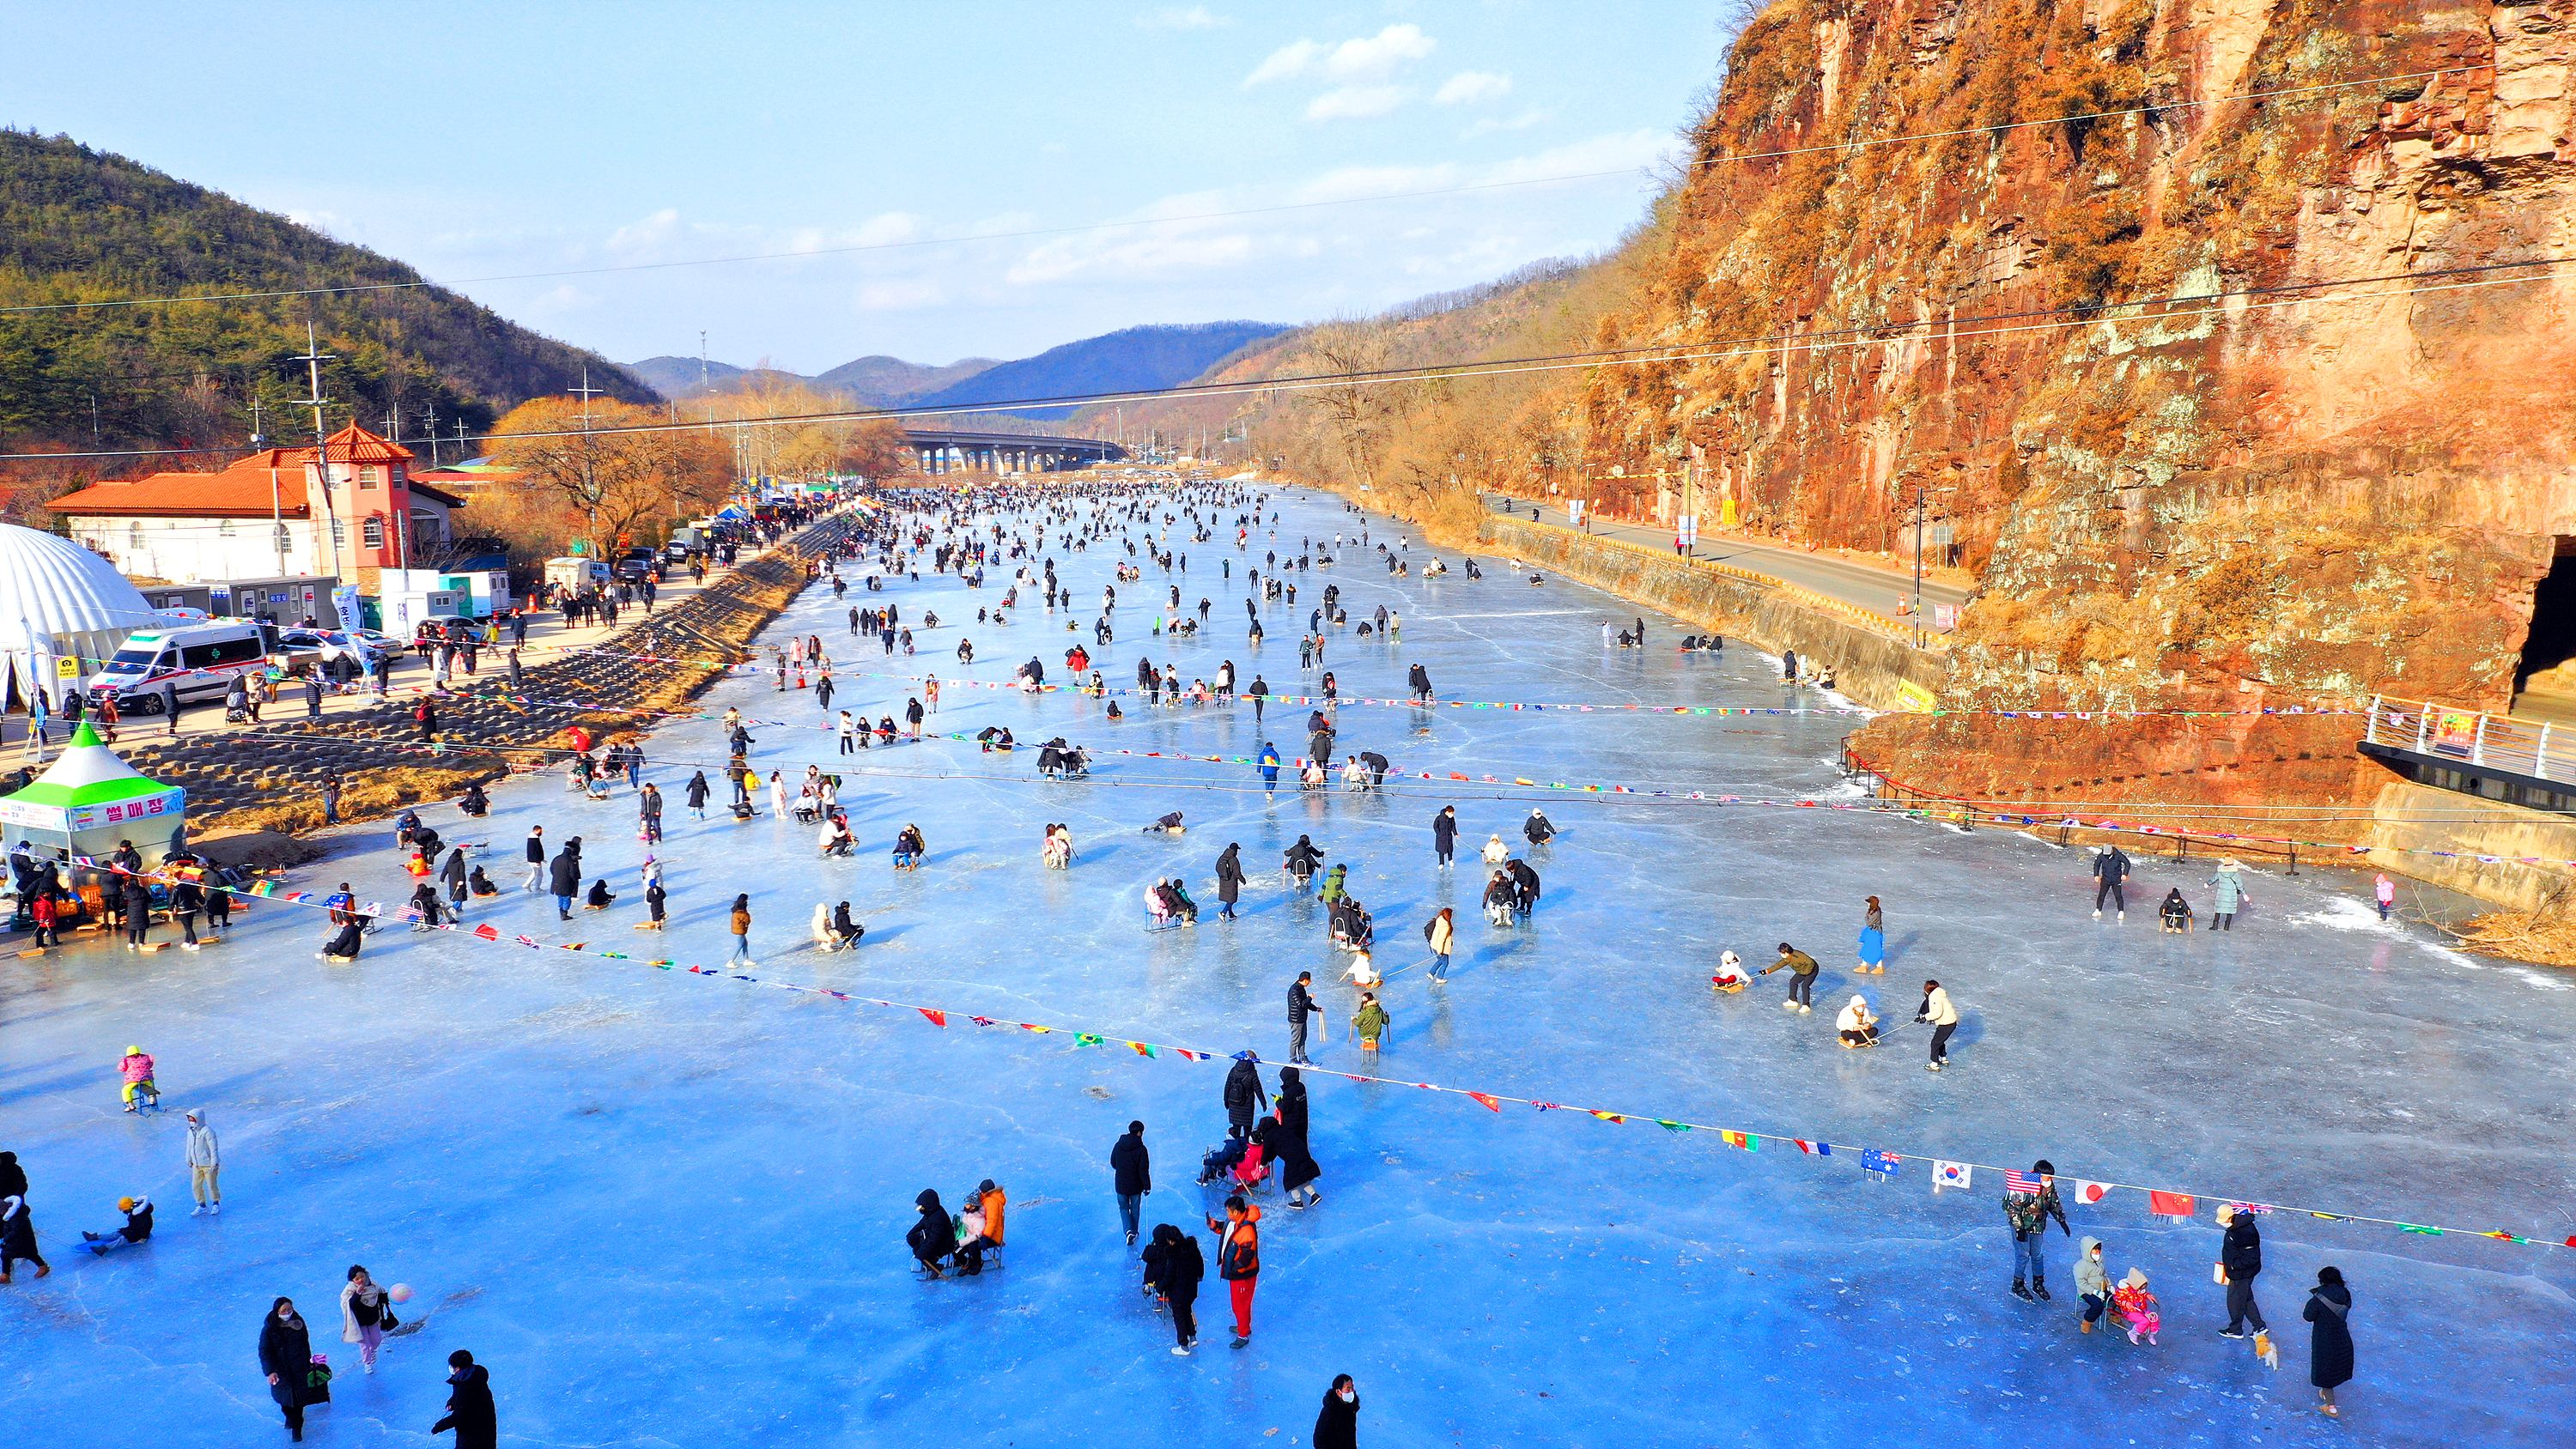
x=2343 y=913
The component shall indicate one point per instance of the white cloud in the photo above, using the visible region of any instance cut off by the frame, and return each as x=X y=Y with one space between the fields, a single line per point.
x=1472 y=87
x=1005 y=221
x=560 y=301
x=1356 y=102
x=1366 y=59
x=1173 y=17
x=1348 y=182
x=1490 y=124
x=1284 y=63
x=1154 y=256
x=1619 y=151
x=1378 y=54
x=899 y=296
x=887 y=228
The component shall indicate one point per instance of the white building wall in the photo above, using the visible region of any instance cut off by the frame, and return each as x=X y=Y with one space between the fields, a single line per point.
x=199 y=550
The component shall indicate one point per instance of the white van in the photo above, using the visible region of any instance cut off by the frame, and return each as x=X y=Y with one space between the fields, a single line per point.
x=201 y=660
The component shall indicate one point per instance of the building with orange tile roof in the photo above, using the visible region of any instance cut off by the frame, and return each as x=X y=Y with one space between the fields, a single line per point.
x=278 y=512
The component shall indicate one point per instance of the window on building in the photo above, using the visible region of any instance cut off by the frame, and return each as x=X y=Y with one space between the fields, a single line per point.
x=396 y=473
x=339 y=534
x=372 y=533
x=367 y=476
x=224 y=528
x=134 y=537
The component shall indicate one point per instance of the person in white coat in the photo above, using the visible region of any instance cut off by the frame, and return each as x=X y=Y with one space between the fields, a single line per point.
x=205 y=1159
x=363 y=1310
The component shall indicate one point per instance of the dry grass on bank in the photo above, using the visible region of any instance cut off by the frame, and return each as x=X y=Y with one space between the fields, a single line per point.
x=2541 y=938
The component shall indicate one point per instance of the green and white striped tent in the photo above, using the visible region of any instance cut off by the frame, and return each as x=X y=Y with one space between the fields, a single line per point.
x=90 y=800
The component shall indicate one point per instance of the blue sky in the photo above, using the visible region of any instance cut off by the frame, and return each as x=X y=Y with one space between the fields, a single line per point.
x=486 y=141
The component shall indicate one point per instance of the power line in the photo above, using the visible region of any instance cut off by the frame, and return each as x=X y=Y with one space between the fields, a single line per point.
x=1994 y=128
x=2148 y=310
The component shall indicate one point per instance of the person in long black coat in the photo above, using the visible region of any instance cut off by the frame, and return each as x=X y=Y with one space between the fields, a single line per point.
x=18 y=1238
x=2330 y=1345
x=1338 y=1426
x=469 y=1405
x=1444 y=833
x=1288 y=1145
x=1243 y=1094
x=934 y=1237
x=1229 y=879
x=1177 y=1272
x=563 y=878
x=286 y=1355
x=1132 y=1174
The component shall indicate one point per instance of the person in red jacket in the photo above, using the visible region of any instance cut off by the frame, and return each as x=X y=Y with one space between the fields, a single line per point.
x=1238 y=1259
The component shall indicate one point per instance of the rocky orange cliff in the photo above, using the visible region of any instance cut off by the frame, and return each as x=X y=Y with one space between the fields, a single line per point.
x=2226 y=340
x=2228 y=384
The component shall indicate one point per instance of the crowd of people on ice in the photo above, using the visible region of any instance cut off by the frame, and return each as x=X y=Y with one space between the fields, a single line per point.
x=1267 y=1153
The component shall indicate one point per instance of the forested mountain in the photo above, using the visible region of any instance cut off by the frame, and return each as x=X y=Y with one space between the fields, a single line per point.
x=882 y=381
x=869 y=382
x=1133 y=357
x=78 y=225
x=679 y=377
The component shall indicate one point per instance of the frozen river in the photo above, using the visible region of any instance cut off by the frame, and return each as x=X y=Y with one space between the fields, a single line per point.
x=668 y=1209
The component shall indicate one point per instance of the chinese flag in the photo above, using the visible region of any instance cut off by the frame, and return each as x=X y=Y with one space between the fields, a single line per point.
x=2170 y=1204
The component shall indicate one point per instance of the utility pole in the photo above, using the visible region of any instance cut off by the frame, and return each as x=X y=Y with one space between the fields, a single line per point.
x=429 y=424
x=312 y=359
x=256 y=441
x=703 y=384
x=395 y=508
x=1918 y=565
x=589 y=485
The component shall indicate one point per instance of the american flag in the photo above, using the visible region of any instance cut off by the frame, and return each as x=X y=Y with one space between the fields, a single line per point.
x=2024 y=1182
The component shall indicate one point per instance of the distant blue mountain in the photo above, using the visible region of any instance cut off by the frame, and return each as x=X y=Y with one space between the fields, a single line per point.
x=1123 y=361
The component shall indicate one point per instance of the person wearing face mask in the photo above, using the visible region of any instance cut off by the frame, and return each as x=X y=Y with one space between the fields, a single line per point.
x=286 y=1356
x=1338 y=1425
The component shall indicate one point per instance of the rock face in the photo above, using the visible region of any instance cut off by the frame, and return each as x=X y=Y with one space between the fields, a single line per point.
x=2213 y=329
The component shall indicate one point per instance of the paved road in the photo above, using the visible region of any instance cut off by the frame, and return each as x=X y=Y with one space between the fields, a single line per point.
x=547 y=636
x=1858 y=584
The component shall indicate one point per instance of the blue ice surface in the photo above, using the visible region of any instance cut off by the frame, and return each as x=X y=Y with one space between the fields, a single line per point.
x=668 y=1209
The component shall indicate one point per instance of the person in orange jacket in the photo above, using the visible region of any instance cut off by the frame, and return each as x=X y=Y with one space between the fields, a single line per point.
x=1238 y=1259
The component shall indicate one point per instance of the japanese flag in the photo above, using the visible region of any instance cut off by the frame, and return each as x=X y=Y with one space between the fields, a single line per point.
x=2090 y=1192
x=1950 y=1174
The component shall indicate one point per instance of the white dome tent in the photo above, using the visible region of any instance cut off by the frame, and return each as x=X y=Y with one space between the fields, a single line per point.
x=59 y=601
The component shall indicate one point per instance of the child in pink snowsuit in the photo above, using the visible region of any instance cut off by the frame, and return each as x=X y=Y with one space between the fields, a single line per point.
x=2136 y=1306
x=137 y=1069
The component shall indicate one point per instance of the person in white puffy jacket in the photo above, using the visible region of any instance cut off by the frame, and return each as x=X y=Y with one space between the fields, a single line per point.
x=204 y=1160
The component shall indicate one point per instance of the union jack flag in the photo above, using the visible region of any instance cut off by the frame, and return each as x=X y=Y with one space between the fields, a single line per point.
x=2029 y=1183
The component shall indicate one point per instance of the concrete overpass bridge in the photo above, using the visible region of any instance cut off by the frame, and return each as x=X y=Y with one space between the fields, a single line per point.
x=948 y=451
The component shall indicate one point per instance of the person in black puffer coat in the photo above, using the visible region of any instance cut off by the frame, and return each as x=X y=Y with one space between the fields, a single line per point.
x=934 y=1237
x=1243 y=1095
x=286 y=1357
x=469 y=1405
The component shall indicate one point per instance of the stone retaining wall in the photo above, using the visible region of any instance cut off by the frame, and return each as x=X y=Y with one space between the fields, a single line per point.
x=2408 y=818
x=269 y=776
x=1869 y=665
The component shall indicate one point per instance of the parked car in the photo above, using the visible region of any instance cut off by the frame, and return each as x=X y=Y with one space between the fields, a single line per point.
x=453 y=627
x=329 y=644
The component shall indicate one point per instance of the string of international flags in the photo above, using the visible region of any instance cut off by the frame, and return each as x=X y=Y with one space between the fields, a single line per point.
x=1968 y=812
x=753 y=666
x=1879 y=1163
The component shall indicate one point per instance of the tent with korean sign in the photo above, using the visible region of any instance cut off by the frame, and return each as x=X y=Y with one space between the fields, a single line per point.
x=91 y=800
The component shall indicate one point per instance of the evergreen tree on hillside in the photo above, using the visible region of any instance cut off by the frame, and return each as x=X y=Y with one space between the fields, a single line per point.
x=78 y=225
